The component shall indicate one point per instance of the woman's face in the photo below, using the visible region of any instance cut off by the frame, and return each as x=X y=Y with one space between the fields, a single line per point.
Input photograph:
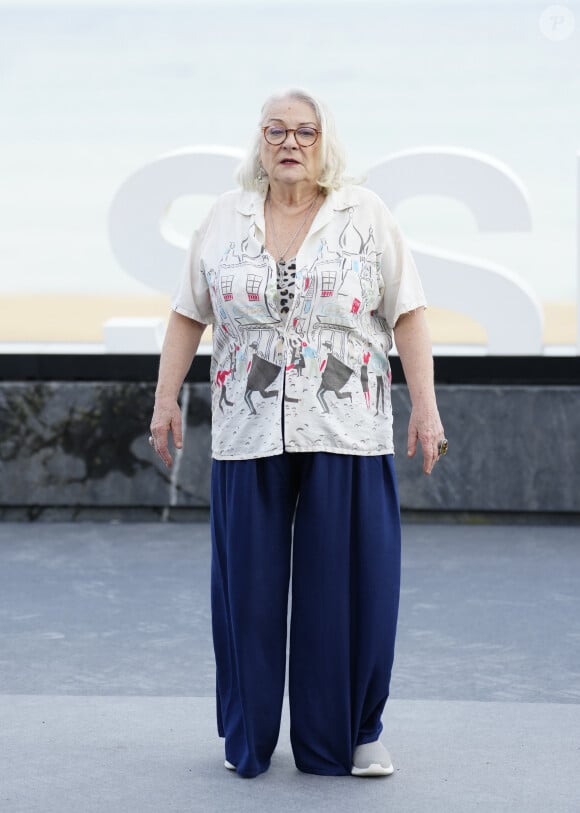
x=289 y=163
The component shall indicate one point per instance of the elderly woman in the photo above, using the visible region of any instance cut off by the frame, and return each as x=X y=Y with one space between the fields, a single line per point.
x=306 y=280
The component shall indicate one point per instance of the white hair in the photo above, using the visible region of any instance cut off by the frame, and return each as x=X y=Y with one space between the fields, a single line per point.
x=331 y=152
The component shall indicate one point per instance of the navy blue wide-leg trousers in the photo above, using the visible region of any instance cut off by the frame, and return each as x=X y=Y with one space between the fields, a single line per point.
x=332 y=521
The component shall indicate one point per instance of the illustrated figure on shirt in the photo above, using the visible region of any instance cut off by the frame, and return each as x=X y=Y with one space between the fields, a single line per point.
x=221 y=382
x=261 y=373
x=379 y=367
x=310 y=357
x=234 y=352
x=297 y=361
x=335 y=374
x=364 y=378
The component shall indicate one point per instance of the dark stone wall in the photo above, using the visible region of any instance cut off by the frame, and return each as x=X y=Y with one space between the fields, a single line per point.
x=84 y=444
x=510 y=449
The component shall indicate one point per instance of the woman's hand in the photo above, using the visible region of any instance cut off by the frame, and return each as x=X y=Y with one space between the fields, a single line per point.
x=426 y=427
x=179 y=347
x=414 y=346
x=166 y=419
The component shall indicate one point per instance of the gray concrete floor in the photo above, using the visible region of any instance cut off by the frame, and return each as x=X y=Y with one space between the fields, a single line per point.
x=107 y=676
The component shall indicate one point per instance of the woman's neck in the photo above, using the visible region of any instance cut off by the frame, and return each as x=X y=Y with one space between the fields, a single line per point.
x=293 y=196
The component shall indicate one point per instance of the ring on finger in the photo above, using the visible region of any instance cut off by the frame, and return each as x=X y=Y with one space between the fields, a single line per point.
x=151 y=441
x=442 y=447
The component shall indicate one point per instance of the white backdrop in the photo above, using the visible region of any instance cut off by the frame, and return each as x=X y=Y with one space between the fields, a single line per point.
x=91 y=93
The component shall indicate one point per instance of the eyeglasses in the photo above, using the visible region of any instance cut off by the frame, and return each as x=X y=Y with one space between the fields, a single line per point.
x=276 y=135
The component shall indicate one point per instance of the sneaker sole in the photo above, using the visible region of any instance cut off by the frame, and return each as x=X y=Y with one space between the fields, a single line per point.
x=374 y=769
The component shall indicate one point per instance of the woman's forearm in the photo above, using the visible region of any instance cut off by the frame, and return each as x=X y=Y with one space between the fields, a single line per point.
x=414 y=347
x=179 y=348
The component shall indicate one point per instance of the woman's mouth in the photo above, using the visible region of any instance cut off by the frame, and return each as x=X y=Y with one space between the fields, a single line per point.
x=289 y=161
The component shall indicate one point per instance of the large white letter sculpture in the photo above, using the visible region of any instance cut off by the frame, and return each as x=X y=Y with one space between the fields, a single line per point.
x=495 y=297
x=492 y=295
x=142 y=241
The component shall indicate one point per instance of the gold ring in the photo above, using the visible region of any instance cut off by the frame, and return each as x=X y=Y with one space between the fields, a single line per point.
x=442 y=447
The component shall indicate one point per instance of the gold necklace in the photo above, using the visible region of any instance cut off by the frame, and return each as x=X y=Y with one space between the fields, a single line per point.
x=282 y=254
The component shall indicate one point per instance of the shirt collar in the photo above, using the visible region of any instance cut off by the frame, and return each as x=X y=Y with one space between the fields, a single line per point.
x=251 y=203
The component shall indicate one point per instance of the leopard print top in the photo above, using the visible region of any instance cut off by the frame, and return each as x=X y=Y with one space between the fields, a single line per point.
x=286 y=281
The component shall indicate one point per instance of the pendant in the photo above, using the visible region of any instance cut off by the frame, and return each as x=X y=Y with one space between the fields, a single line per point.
x=282 y=263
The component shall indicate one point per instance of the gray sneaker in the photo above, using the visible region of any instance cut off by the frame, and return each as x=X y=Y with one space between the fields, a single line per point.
x=371 y=759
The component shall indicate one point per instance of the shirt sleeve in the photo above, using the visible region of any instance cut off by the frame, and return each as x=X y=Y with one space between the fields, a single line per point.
x=192 y=296
x=403 y=290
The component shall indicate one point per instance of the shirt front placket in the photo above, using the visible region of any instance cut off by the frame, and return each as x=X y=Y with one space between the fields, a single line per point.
x=306 y=252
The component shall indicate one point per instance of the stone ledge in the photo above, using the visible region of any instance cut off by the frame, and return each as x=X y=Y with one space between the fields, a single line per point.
x=510 y=449
x=79 y=445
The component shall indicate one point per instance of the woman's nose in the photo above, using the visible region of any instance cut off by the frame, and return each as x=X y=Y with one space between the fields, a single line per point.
x=287 y=141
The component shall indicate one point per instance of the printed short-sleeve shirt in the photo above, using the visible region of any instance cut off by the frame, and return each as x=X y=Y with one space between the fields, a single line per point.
x=316 y=378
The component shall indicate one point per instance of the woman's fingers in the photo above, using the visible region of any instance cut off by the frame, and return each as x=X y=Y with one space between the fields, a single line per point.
x=163 y=422
x=428 y=429
x=162 y=448
x=429 y=453
x=177 y=432
x=159 y=433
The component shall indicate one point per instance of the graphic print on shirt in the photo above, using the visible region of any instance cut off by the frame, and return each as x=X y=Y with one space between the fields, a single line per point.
x=220 y=380
x=297 y=359
x=277 y=349
x=243 y=290
x=335 y=374
x=364 y=378
x=322 y=368
x=333 y=296
x=261 y=374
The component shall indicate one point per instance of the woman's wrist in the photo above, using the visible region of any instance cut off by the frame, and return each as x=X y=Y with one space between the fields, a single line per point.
x=166 y=396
